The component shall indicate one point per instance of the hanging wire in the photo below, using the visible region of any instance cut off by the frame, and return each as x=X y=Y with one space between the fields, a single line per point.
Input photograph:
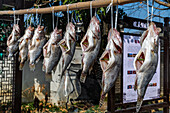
x=53 y=17
x=91 y=9
x=68 y=13
x=116 y=15
x=148 y=13
x=36 y=17
x=112 y=15
x=152 y=9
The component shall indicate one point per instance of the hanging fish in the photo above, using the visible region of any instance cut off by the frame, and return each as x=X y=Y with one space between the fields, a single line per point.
x=145 y=62
x=90 y=45
x=110 y=62
x=12 y=41
x=67 y=46
x=23 y=45
x=52 y=51
x=35 y=46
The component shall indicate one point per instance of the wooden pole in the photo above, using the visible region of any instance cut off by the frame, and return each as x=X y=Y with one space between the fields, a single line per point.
x=19 y=4
x=166 y=64
x=75 y=6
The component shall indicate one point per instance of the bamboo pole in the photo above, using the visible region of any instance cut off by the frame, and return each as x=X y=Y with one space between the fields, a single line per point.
x=75 y=6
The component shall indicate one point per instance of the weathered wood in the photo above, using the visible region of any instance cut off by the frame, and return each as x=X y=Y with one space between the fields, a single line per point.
x=166 y=64
x=75 y=6
x=162 y=3
x=18 y=74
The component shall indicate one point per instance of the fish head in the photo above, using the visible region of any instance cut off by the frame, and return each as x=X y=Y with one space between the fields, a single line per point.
x=71 y=30
x=114 y=35
x=40 y=29
x=95 y=27
x=154 y=32
x=57 y=34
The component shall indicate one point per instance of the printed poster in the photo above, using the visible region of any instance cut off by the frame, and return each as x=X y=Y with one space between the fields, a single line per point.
x=131 y=46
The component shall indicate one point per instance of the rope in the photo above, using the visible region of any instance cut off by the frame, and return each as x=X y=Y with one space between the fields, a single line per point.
x=53 y=17
x=68 y=13
x=27 y=18
x=148 y=13
x=14 y=18
x=41 y=18
x=36 y=17
x=31 y=19
x=152 y=9
x=116 y=16
x=112 y=15
x=91 y=9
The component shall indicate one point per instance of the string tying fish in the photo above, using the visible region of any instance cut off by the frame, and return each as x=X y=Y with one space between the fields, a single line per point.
x=107 y=10
x=148 y=13
x=53 y=17
x=116 y=16
x=91 y=9
x=36 y=16
x=152 y=9
x=27 y=18
x=67 y=13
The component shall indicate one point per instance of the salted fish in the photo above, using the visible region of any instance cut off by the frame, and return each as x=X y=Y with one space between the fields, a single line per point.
x=110 y=62
x=23 y=45
x=67 y=45
x=12 y=41
x=146 y=61
x=90 y=45
x=52 y=51
x=35 y=46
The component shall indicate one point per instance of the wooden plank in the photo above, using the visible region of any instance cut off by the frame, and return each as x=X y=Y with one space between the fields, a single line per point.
x=75 y=6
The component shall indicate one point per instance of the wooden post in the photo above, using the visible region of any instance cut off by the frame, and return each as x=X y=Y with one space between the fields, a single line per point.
x=111 y=100
x=19 y=4
x=166 y=63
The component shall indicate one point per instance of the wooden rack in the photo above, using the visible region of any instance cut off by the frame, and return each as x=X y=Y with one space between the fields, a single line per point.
x=75 y=6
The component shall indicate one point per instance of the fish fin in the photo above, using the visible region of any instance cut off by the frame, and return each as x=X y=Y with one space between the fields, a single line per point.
x=101 y=100
x=135 y=87
x=21 y=66
x=48 y=77
x=43 y=68
x=63 y=46
x=139 y=103
x=38 y=59
x=83 y=77
x=28 y=57
x=32 y=67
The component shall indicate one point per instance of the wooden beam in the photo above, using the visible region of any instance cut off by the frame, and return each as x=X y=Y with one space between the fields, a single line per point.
x=162 y=3
x=75 y=6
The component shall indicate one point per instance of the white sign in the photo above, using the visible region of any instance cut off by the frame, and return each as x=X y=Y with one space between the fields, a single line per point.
x=131 y=47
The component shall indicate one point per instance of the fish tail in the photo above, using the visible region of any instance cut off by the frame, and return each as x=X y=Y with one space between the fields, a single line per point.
x=139 y=103
x=83 y=77
x=21 y=66
x=48 y=77
x=101 y=100
x=32 y=67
